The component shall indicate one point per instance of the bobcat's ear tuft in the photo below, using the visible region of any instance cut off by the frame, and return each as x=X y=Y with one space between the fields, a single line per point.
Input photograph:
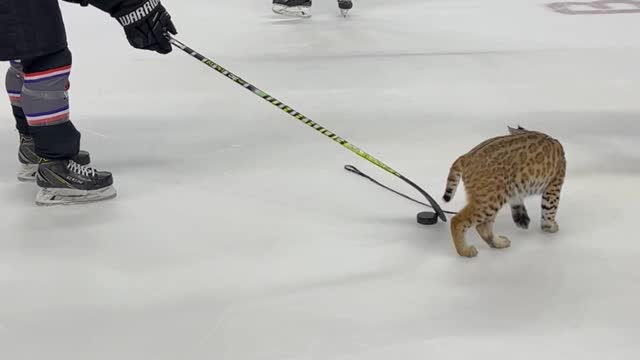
x=518 y=130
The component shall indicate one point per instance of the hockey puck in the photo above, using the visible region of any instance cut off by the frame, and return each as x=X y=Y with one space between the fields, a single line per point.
x=427 y=218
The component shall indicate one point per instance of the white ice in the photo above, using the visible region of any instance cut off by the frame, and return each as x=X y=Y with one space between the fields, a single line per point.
x=238 y=235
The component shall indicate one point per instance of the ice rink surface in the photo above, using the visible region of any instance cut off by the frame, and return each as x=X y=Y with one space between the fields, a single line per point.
x=238 y=235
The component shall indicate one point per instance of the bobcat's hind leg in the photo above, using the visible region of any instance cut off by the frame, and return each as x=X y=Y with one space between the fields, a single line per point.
x=550 y=202
x=460 y=223
x=485 y=230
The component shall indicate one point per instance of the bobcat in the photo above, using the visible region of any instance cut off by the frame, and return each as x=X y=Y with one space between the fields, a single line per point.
x=506 y=169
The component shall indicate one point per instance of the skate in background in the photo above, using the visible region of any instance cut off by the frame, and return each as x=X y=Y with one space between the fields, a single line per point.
x=302 y=8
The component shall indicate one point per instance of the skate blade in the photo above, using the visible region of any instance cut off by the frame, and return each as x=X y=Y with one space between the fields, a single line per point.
x=344 y=12
x=50 y=196
x=27 y=172
x=292 y=11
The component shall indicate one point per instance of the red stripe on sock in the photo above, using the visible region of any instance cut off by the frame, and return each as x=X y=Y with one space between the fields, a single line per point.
x=47 y=71
x=47 y=120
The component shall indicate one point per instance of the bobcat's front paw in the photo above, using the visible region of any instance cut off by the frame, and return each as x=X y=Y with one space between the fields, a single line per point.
x=468 y=251
x=521 y=219
x=549 y=226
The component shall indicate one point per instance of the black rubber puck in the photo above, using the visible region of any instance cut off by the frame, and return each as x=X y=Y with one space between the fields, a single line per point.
x=427 y=218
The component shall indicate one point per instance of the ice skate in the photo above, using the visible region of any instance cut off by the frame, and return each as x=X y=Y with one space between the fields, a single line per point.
x=65 y=182
x=345 y=6
x=29 y=160
x=293 y=8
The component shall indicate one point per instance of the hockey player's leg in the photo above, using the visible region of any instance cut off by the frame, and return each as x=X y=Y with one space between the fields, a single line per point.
x=26 y=151
x=26 y=154
x=13 y=85
x=295 y=8
x=62 y=177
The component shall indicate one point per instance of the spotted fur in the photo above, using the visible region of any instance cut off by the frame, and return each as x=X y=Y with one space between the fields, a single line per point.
x=501 y=170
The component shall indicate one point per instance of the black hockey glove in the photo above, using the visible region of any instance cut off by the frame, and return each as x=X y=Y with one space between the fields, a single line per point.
x=146 y=24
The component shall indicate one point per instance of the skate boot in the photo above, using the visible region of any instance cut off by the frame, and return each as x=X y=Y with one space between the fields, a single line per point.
x=345 y=6
x=65 y=182
x=29 y=160
x=294 y=8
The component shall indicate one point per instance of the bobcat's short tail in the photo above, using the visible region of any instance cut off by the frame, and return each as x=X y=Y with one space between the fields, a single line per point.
x=453 y=180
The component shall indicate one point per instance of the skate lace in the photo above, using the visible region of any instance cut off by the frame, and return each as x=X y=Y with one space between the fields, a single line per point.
x=80 y=169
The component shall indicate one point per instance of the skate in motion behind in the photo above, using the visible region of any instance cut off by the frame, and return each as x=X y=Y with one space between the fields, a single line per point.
x=302 y=8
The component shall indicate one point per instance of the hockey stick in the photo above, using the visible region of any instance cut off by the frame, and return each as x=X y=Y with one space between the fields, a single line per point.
x=354 y=170
x=305 y=120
